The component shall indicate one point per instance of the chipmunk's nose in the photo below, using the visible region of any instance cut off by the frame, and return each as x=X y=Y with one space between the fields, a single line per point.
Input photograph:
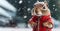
x=39 y=13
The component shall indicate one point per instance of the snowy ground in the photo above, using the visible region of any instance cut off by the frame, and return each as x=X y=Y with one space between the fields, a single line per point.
x=22 y=29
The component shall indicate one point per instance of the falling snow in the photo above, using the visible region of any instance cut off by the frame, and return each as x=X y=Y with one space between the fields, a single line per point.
x=25 y=16
x=55 y=9
x=20 y=1
x=22 y=8
x=28 y=1
x=28 y=9
x=53 y=5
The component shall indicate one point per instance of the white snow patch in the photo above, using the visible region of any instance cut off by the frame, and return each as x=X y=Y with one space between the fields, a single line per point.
x=23 y=29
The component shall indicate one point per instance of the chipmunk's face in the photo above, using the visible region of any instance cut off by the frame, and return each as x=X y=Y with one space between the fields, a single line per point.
x=41 y=9
x=38 y=9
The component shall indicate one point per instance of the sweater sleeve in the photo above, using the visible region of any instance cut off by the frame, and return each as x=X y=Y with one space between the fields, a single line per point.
x=50 y=23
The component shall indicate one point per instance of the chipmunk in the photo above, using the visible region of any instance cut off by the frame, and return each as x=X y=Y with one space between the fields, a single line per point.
x=41 y=10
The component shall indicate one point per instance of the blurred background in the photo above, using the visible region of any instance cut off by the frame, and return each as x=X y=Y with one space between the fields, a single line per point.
x=16 y=13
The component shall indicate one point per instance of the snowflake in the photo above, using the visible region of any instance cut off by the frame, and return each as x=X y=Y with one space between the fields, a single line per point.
x=53 y=5
x=25 y=16
x=28 y=9
x=28 y=1
x=20 y=1
x=55 y=9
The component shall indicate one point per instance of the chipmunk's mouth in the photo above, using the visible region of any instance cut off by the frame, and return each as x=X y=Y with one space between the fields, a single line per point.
x=39 y=14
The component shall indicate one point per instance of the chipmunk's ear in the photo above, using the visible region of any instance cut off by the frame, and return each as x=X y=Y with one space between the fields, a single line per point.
x=46 y=2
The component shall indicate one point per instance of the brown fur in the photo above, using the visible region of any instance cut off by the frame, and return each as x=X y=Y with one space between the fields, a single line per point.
x=40 y=9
